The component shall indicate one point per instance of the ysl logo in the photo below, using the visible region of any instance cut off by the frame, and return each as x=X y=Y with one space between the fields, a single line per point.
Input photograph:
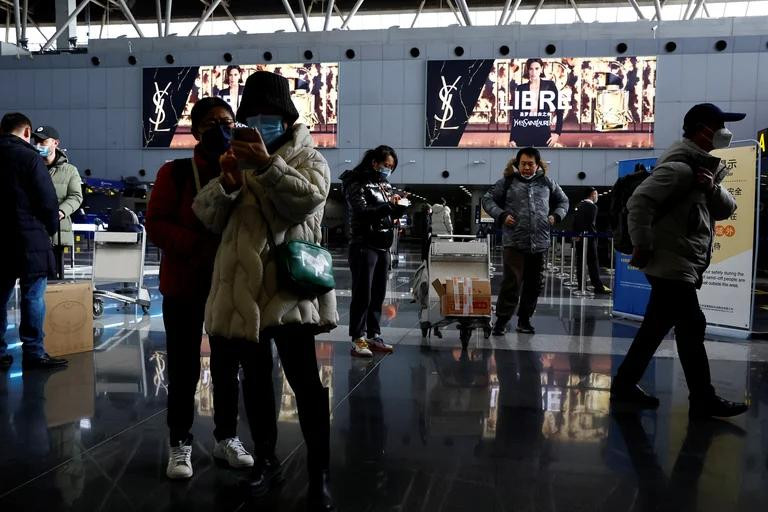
x=446 y=97
x=159 y=100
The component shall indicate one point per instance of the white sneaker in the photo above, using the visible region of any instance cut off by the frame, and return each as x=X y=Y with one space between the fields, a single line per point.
x=233 y=452
x=179 y=462
x=360 y=348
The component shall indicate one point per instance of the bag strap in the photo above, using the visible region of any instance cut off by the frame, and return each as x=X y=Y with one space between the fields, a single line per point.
x=196 y=174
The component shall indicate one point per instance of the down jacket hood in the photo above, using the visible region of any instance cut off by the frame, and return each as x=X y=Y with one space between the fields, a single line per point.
x=287 y=197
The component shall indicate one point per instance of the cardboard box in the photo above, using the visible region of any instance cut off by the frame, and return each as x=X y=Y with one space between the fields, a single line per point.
x=464 y=296
x=68 y=318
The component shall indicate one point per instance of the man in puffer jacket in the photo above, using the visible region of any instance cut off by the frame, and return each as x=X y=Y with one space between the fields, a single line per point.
x=671 y=219
x=282 y=190
x=526 y=202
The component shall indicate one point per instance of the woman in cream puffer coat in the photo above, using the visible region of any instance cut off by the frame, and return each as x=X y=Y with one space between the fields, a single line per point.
x=283 y=189
x=290 y=195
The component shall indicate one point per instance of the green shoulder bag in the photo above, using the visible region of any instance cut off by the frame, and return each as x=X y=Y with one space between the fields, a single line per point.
x=304 y=268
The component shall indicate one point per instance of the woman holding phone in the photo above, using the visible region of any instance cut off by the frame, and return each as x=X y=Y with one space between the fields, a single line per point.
x=372 y=208
x=279 y=195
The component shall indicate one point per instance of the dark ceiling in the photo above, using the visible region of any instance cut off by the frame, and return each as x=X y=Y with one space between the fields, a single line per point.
x=43 y=12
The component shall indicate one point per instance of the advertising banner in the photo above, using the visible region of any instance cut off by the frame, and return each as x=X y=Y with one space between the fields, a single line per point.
x=726 y=296
x=630 y=287
x=600 y=102
x=170 y=93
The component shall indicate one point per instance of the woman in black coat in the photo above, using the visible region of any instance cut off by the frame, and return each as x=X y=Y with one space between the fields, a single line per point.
x=372 y=208
x=532 y=127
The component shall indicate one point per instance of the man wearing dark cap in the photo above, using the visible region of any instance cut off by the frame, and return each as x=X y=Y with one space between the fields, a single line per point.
x=66 y=180
x=586 y=222
x=29 y=211
x=671 y=221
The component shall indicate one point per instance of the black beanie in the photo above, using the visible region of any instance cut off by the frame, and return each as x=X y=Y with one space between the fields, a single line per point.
x=267 y=91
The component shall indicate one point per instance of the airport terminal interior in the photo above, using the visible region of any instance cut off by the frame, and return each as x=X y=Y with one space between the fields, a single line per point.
x=455 y=417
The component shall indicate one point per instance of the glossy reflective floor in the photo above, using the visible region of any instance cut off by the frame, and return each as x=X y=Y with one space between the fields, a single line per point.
x=513 y=424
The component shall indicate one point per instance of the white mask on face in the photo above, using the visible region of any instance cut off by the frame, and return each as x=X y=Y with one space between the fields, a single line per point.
x=722 y=138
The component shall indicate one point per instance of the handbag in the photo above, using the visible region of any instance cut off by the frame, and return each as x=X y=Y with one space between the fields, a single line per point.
x=304 y=268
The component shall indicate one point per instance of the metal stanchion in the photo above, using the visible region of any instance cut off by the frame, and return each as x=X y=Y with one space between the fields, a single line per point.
x=571 y=282
x=552 y=267
x=563 y=274
x=582 y=291
x=548 y=256
x=612 y=270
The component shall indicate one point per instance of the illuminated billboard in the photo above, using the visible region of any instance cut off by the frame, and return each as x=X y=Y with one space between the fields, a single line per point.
x=171 y=92
x=600 y=102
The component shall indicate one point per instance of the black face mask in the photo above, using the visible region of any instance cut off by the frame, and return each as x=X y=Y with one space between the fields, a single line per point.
x=216 y=140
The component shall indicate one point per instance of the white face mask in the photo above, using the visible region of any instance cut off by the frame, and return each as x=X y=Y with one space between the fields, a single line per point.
x=722 y=138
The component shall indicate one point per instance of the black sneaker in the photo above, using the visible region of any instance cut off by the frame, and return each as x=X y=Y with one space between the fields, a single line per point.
x=633 y=396
x=602 y=291
x=43 y=363
x=525 y=327
x=715 y=407
x=500 y=327
x=6 y=361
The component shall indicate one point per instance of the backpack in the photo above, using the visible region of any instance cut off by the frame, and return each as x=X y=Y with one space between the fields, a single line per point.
x=124 y=220
x=622 y=191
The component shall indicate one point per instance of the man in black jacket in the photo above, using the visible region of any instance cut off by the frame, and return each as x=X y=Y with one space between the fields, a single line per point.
x=586 y=222
x=30 y=210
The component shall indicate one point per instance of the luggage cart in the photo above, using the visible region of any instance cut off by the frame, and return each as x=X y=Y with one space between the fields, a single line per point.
x=118 y=257
x=451 y=256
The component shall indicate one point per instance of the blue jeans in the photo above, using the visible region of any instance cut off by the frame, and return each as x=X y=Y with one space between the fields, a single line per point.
x=32 y=315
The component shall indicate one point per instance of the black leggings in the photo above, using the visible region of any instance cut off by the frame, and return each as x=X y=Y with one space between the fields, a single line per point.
x=296 y=348
x=370 y=268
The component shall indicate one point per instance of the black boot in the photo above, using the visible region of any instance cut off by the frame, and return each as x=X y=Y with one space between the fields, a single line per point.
x=319 y=497
x=500 y=327
x=315 y=424
x=715 y=407
x=265 y=476
x=524 y=326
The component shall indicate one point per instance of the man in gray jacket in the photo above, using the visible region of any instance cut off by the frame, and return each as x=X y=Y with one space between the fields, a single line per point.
x=525 y=202
x=671 y=219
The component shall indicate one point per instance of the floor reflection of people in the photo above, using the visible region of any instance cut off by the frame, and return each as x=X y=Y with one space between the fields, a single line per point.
x=521 y=449
x=655 y=491
x=35 y=442
x=520 y=412
x=367 y=436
